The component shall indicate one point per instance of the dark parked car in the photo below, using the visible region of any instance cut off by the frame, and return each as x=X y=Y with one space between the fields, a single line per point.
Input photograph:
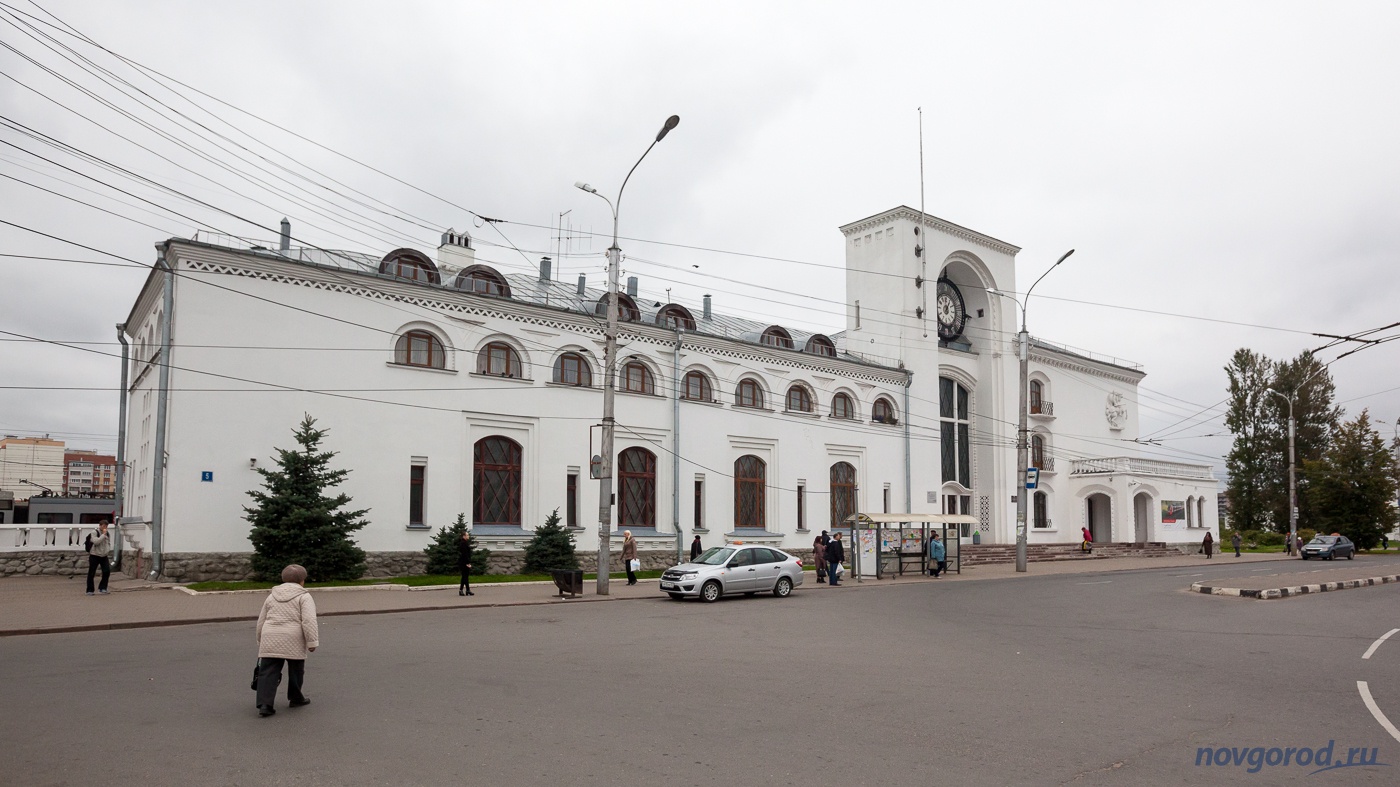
x=1329 y=547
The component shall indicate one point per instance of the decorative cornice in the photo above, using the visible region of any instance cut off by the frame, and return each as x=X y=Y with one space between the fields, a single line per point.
x=942 y=225
x=1123 y=375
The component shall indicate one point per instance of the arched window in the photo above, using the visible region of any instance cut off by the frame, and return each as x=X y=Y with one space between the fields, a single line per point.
x=482 y=280
x=1040 y=515
x=636 y=478
x=697 y=387
x=820 y=345
x=777 y=336
x=411 y=265
x=499 y=360
x=843 y=492
x=842 y=407
x=636 y=378
x=799 y=400
x=883 y=412
x=626 y=308
x=1037 y=396
x=748 y=394
x=420 y=348
x=750 y=481
x=675 y=317
x=496 y=482
x=1038 y=452
x=955 y=437
x=573 y=369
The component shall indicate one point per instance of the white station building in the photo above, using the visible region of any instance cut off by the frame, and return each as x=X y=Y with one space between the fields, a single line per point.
x=448 y=387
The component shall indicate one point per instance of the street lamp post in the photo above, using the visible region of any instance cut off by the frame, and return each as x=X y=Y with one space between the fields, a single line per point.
x=1292 y=462
x=1023 y=340
x=605 y=470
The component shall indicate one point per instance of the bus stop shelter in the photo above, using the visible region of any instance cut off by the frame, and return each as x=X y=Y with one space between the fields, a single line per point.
x=886 y=545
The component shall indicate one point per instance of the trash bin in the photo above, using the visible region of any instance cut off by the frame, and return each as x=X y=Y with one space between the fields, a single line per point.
x=569 y=582
x=976 y=536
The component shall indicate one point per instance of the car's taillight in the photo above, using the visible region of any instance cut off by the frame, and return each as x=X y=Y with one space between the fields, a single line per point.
x=799 y=561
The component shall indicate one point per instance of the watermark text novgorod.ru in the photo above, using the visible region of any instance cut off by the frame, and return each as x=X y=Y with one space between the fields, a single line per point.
x=1255 y=759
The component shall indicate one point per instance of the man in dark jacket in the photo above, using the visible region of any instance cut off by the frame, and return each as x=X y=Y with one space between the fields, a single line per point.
x=835 y=555
x=695 y=549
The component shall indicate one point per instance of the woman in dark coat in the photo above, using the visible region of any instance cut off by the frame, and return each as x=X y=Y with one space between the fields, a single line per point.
x=1208 y=545
x=819 y=557
x=464 y=564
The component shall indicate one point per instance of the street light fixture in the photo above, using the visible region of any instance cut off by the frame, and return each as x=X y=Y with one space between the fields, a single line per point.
x=1023 y=339
x=605 y=472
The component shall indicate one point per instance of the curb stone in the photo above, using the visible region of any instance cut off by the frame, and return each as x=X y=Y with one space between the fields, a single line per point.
x=1294 y=590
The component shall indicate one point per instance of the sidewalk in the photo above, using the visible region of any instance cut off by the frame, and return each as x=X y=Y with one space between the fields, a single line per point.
x=40 y=605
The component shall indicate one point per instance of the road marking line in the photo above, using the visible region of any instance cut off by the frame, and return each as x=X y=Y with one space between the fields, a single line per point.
x=1376 y=711
x=1378 y=642
x=1104 y=582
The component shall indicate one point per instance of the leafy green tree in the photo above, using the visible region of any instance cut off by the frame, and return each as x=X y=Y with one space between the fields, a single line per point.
x=1316 y=416
x=295 y=521
x=442 y=552
x=1252 y=459
x=552 y=547
x=1353 y=484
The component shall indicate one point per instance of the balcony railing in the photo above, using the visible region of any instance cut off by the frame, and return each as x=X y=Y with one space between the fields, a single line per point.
x=1045 y=464
x=39 y=538
x=1133 y=466
x=1042 y=524
x=1042 y=407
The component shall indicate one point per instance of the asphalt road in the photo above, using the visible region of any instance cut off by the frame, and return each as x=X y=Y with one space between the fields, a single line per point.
x=1108 y=678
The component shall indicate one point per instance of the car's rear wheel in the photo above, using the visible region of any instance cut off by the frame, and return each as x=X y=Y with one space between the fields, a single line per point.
x=784 y=587
x=676 y=596
x=1305 y=557
x=1351 y=555
x=710 y=591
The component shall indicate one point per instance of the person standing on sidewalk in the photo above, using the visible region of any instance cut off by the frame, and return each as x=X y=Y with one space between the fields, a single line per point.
x=835 y=556
x=287 y=632
x=100 y=555
x=819 y=557
x=629 y=554
x=695 y=549
x=1235 y=541
x=1208 y=545
x=938 y=555
x=464 y=564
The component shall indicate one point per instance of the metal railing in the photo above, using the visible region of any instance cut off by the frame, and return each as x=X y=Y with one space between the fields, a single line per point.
x=1042 y=407
x=1045 y=464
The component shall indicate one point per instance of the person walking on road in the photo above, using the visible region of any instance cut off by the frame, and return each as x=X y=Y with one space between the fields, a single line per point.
x=819 y=557
x=938 y=556
x=695 y=549
x=1087 y=545
x=1208 y=545
x=100 y=555
x=287 y=632
x=464 y=565
x=629 y=554
x=1235 y=542
x=1385 y=542
x=835 y=555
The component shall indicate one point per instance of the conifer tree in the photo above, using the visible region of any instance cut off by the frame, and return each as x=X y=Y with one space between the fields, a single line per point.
x=1353 y=484
x=293 y=519
x=442 y=553
x=552 y=547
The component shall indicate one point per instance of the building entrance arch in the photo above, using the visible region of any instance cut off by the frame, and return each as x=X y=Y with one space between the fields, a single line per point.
x=1142 y=506
x=1098 y=516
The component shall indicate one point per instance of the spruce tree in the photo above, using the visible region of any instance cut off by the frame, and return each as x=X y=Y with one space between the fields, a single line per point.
x=293 y=519
x=1353 y=484
x=552 y=547
x=442 y=553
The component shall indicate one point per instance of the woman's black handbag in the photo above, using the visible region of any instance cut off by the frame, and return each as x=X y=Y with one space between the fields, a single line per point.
x=256 y=666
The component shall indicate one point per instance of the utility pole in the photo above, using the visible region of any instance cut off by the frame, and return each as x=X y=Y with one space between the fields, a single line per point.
x=605 y=472
x=1292 y=457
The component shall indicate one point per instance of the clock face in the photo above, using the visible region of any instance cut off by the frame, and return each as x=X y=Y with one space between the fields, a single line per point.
x=950 y=311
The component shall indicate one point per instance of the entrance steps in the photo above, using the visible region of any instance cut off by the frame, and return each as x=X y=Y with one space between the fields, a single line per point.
x=984 y=554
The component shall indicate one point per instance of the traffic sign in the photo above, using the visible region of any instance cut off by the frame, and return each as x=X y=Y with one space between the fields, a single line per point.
x=1032 y=477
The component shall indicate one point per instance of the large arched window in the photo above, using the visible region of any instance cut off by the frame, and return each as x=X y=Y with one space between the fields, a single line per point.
x=748 y=394
x=636 y=478
x=675 y=317
x=818 y=344
x=1038 y=452
x=955 y=436
x=1041 y=514
x=573 y=369
x=636 y=378
x=750 y=481
x=843 y=492
x=697 y=387
x=482 y=280
x=883 y=412
x=496 y=482
x=842 y=407
x=411 y=265
x=799 y=400
x=499 y=360
x=777 y=336
x=420 y=348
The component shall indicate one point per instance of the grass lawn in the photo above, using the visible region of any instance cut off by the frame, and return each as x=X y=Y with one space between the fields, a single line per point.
x=420 y=580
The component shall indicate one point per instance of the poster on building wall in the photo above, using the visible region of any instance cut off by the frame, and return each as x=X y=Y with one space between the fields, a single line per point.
x=1173 y=511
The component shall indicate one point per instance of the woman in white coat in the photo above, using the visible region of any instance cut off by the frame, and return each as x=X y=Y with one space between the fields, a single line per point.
x=287 y=632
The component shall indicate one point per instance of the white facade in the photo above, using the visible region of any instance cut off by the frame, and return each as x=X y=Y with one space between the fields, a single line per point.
x=412 y=419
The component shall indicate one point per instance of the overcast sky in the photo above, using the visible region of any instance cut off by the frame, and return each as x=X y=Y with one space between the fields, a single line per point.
x=1232 y=161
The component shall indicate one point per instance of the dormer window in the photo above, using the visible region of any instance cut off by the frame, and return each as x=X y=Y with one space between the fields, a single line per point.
x=777 y=336
x=482 y=280
x=627 y=310
x=675 y=317
x=820 y=345
x=410 y=265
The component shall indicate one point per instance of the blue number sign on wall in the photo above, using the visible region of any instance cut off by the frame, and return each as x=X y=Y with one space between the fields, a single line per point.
x=207 y=475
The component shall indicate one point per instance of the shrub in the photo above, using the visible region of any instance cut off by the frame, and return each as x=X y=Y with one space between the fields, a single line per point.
x=442 y=553
x=552 y=547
